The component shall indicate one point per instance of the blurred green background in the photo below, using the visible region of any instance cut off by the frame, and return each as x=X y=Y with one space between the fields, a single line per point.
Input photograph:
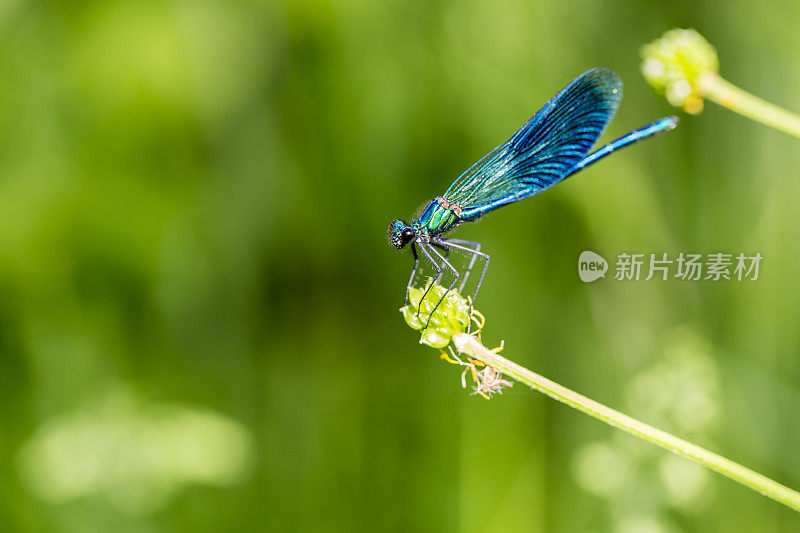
x=198 y=306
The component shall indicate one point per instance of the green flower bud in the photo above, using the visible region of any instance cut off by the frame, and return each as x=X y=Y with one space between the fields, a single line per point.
x=451 y=317
x=675 y=65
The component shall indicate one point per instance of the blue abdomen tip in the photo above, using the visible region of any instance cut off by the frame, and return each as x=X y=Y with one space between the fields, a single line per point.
x=670 y=123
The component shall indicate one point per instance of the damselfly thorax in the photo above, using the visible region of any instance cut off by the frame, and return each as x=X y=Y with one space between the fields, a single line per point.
x=439 y=217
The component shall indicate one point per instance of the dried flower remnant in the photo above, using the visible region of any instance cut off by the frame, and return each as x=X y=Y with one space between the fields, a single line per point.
x=490 y=382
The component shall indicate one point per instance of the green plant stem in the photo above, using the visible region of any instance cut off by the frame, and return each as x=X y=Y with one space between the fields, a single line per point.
x=715 y=88
x=471 y=346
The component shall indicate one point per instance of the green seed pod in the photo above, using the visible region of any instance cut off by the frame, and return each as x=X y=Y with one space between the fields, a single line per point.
x=451 y=317
x=675 y=65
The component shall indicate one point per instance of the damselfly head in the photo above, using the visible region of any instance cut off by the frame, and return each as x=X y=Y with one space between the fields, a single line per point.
x=400 y=234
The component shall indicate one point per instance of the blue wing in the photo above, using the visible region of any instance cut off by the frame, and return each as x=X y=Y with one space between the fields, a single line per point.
x=544 y=150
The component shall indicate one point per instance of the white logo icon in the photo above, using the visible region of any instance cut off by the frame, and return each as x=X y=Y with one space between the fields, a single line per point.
x=591 y=266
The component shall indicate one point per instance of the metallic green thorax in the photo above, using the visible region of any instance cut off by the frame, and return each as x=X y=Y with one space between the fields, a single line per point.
x=438 y=218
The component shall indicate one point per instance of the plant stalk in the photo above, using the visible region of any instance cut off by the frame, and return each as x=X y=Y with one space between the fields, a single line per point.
x=472 y=347
x=715 y=88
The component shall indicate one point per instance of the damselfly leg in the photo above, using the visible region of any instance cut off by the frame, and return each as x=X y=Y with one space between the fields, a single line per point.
x=416 y=268
x=440 y=262
x=460 y=244
x=430 y=252
x=446 y=255
x=456 y=277
x=438 y=273
x=413 y=271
